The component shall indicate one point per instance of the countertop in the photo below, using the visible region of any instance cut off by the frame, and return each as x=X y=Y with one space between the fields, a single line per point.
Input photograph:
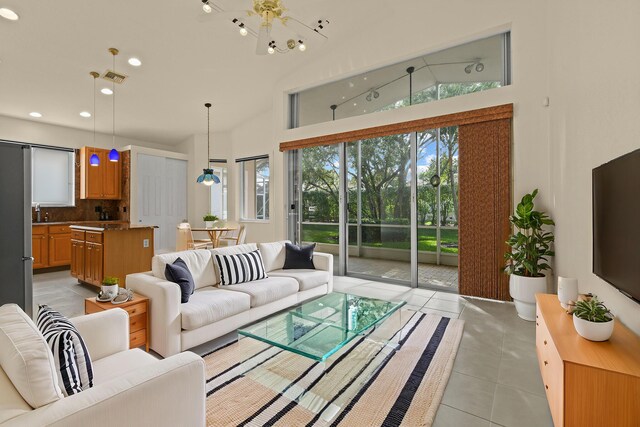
x=110 y=226
x=79 y=222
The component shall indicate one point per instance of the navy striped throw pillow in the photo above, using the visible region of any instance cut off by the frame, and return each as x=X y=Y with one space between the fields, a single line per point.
x=70 y=354
x=240 y=268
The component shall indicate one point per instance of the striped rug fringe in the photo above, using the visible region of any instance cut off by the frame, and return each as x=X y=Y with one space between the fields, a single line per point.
x=250 y=383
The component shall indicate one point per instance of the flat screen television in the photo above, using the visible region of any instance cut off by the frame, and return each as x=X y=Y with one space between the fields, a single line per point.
x=616 y=223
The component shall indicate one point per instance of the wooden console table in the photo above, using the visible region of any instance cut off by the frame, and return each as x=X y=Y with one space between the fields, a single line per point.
x=587 y=383
x=138 y=311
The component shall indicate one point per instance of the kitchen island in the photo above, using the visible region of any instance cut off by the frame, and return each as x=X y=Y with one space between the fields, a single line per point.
x=99 y=250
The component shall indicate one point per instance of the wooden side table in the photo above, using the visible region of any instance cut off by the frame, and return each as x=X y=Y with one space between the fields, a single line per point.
x=138 y=310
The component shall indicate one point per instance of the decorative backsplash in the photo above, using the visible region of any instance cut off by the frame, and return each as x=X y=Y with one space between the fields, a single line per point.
x=85 y=210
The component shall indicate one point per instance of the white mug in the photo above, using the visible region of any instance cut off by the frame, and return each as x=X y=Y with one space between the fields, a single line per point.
x=567 y=290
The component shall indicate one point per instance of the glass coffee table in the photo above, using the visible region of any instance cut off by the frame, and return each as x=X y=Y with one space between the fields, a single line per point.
x=319 y=328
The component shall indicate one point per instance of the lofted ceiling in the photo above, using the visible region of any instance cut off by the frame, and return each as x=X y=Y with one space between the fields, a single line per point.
x=46 y=57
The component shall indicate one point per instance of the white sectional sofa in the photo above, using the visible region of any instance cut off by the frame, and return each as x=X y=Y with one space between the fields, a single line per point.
x=131 y=387
x=214 y=311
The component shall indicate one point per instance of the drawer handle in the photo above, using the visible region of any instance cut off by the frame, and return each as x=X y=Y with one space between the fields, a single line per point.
x=537 y=324
x=546 y=363
x=135 y=310
x=545 y=342
x=546 y=387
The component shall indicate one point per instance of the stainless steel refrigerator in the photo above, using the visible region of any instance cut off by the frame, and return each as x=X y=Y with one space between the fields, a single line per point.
x=16 y=261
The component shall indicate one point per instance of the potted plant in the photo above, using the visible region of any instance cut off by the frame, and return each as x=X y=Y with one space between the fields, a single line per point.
x=209 y=219
x=528 y=258
x=109 y=287
x=593 y=320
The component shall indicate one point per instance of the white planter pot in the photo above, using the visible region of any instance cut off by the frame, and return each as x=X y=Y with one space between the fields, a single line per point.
x=523 y=290
x=208 y=224
x=593 y=331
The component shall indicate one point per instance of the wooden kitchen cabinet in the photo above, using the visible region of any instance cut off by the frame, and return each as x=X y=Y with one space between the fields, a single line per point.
x=100 y=182
x=93 y=263
x=39 y=247
x=77 y=258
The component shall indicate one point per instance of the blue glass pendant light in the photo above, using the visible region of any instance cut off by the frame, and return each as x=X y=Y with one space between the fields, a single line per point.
x=208 y=177
x=114 y=156
x=94 y=160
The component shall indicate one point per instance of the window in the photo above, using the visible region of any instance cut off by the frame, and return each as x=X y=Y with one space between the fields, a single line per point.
x=472 y=67
x=52 y=177
x=254 y=185
x=219 y=191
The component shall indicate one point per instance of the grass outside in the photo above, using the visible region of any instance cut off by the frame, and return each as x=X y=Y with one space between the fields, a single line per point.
x=426 y=238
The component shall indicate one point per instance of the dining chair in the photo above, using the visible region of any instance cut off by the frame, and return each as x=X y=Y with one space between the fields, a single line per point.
x=192 y=243
x=233 y=237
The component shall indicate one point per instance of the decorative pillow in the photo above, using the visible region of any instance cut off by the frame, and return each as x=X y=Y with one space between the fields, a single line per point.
x=179 y=273
x=70 y=354
x=299 y=257
x=26 y=358
x=240 y=268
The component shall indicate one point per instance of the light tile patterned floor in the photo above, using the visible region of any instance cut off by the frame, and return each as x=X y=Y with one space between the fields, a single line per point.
x=495 y=379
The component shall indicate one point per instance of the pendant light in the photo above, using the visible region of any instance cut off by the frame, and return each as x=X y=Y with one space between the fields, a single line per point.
x=94 y=160
x=208 y=178
x=114 y=156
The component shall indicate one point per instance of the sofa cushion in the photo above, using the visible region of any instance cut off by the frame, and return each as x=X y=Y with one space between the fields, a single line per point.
x=11 y=403
x=70 y=354
x=230 y=250
x=26 y=359
x=299 y=257
x=179 y=273
x=208 y=305
x=267 y=290
x=198 y=261
x=240 y=268
x=307 y=279
x=121 y=363
x=273 y=255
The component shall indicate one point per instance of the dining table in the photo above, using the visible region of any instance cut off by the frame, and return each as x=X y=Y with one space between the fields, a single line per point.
x=215 y=233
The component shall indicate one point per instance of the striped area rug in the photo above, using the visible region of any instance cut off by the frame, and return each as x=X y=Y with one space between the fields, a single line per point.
x=364 y=384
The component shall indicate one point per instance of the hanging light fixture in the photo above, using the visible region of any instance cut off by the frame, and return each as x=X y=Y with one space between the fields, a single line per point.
x=114 y=156
x=208 y=178
x=94 y=160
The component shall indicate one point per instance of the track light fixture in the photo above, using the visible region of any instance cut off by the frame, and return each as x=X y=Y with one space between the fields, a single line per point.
x=478 y=66
x=301 y=46
x=206 y=6
x=272 y=47
x=242 y=28
x=373 y=94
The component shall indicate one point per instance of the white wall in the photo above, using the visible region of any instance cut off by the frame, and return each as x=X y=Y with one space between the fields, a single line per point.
x=595 y=102
x=31 y=131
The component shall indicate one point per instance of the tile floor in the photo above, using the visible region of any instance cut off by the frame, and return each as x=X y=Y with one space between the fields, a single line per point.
x=495 y=379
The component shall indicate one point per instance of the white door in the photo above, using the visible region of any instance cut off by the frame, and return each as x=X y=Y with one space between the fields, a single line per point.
x=162 y=197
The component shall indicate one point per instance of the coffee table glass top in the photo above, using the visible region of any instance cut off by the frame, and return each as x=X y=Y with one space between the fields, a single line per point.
x=319 y=328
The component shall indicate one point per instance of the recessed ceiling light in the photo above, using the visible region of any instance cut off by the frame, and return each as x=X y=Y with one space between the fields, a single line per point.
x=365 y=78
x=35 y=114
x=135 y=62
x=355 y=104
x=9 y=14
x=106 y=91
x=85 y=114
x=351 y=85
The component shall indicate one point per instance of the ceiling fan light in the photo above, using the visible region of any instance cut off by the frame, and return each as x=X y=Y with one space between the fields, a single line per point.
x=301 y=46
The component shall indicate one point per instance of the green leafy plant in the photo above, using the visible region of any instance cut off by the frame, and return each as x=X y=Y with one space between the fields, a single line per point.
x=209 y=217
x=593 y=311
x=531 y=244
x=110 y=280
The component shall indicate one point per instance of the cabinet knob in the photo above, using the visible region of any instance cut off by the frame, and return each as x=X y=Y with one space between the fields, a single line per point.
x=545 y=342
x=537 y=324
x=546 y=387
x=546 y=363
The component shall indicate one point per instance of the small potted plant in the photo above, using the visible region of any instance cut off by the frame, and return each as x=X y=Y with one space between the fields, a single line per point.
x=209 y=220
x=109 y=287
x=528 y=258
x=593 y=320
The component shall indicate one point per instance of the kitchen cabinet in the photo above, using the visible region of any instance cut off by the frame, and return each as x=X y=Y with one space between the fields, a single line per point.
x=77 y=259
x=102 y=182
x=93 y=263
x=50 y=246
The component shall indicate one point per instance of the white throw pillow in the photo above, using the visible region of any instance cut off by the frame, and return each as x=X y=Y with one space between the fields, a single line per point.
x=26 y=359
x=273 y=255
x=199 y=263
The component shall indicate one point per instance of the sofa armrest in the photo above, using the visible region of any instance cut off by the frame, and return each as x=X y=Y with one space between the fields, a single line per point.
x=105 y=333
x=164 y=311
x=170 y=392
x=324 y=262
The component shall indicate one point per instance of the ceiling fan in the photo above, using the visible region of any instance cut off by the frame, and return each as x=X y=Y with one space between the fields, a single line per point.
x=269 y=13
